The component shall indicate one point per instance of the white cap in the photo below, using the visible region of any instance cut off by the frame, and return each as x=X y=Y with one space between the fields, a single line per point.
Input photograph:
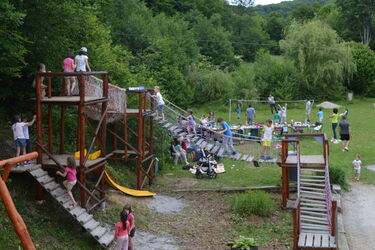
x=83 y=49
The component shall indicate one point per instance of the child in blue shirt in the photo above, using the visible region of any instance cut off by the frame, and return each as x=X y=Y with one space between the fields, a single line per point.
x=320 y=115
x=227 y=140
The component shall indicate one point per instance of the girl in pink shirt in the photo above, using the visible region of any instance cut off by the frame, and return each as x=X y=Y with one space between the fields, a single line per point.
x=128 y=209
x=122 y=231
x=71 y=178
x=69 y=65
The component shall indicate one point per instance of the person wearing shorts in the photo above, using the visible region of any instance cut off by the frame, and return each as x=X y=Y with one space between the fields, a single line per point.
x=267 y=141
x=345 y=133
x=357 y=167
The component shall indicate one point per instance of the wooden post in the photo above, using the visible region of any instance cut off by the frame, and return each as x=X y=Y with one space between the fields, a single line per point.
x=103 y=127
x=81 y=132
x=296 y=226
x=115 y=138
x=152 y=140
x=50 y=129
x=62 y=129
x=39 y=130
x=140 y=142
x=333 y=218
x=284 y=186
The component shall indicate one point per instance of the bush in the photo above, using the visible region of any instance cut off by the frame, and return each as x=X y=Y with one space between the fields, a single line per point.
x=338 y=176
x=253 y=202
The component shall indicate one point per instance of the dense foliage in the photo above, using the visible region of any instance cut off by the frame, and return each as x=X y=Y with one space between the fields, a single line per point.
x=256 y=202
x=197 y=51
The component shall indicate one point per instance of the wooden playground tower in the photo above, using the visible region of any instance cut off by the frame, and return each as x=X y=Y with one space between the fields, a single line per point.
x=49 y=157
x=137 y=145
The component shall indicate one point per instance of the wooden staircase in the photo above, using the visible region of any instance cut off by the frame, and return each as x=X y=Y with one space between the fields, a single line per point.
x=101 y=233
x=314 y=218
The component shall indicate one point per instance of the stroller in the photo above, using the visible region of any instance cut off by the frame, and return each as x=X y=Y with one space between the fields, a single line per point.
x=206 y=164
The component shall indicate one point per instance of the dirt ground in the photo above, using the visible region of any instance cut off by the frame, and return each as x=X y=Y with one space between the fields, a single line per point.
x=202 y=221
x=359 y=216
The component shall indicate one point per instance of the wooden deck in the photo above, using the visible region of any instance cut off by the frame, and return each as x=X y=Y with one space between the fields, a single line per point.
x=130 y=152
x=61 y=158
x=71 y=99
x=312 y=240
x=306 y=159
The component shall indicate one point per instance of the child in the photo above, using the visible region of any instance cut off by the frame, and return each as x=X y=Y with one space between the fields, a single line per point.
x=227 y=141
x=204 y=121
x=250 y=115
x=19 y=135
x=308 y=110
x=211 y=119
x=190 y=121
x=177 y=152
x=283 y=112
x=26 y=132
x=267 y=141
x=238 y=110
x=68 y=65
x=159 y=102
x=345 y=133
x=128 y=209
x=71 y=178
x=276 y=116
x=357 y=167
x=41 y=69
x=335 y=119
x=122 y=231
x=82 y=61
x=320 y=115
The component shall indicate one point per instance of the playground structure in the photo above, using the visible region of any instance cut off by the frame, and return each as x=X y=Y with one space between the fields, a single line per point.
x=314 y=219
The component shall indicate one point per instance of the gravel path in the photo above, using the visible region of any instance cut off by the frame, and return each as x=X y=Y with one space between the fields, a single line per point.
x=359 y=216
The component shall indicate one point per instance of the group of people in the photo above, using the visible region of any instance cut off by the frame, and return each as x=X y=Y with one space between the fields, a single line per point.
x=78 y=63
x=125 y=229
x=21 y=136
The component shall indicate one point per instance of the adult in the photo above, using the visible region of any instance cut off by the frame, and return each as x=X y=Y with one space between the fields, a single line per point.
x=227 y=141
x=335 y=119
x=272 y=103
x=82 y=60
x=250 y=114
x=345 y=133
x=308 y=110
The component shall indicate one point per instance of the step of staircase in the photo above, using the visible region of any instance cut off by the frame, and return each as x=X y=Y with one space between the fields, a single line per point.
x=314 y=218
x=307 y=204
x=313 y=193
x=313 y=209
x=312 y=184
x=313 y=180
x=314 y=221
x=316 y=214
x=313 y=189
x=310 y=226
x=100 y=233
x=312 y=176
x=303 y=195
x=313 y=201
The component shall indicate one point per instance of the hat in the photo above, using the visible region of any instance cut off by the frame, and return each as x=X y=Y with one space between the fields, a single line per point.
x=83 y=49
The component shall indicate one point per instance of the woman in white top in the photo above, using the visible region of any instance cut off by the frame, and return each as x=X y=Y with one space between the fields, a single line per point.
x=82 y=60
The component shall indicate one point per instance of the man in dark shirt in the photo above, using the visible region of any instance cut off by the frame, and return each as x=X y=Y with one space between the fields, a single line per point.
x=345 y=133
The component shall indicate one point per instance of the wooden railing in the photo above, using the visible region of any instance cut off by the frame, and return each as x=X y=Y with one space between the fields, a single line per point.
x=17 y=221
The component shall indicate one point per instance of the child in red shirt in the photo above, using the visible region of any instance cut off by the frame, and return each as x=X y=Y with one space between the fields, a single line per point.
x=122 y=232
x=71 y=178
x=128 y=209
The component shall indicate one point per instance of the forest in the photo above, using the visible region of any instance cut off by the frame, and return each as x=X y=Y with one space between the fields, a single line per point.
x=197 y=51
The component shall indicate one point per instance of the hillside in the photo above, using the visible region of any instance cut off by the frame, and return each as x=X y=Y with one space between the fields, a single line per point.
x=285 y=8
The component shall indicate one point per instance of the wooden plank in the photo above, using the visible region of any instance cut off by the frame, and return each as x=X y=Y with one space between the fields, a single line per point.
x=209 y=147
x=203 y=144
x=317 y=240
x=200 y=142
x=309 y=240
x=325 y=240
x=244 y=157
x=238 y=156
x=251 y=158
x=302 y=240
x=332 y=241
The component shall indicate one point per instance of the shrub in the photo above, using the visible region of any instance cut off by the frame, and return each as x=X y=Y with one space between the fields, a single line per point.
x=253 y=202
x=338 y=176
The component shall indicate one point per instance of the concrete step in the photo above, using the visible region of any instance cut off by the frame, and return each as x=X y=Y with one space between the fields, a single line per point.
x=45 y=179
x=107 y=238
x=91 y=225
x=51 y=186
x=77 y=211
x=58 y=192
x=62 y=199
x=38 y=173
x=83 y=218
x=98 y=232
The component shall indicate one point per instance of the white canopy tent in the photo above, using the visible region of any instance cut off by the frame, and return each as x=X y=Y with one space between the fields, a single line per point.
x=328 y=105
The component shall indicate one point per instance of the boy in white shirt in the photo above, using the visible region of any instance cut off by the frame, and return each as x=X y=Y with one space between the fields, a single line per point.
x=19 y=135
x=267 y=141
x=159 y=102
x=283 y=113
x=357 y=167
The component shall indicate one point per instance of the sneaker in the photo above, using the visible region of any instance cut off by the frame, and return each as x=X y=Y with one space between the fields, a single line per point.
x=269 y=158
x=343 y=150
x=336 y=142
x=333 y=139
x=17 y=165
x=234 y=153
x=346 y=149
x=262 y=157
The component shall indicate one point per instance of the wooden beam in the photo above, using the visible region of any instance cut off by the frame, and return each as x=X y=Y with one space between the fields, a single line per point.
x=122 y=140
x=62 y=130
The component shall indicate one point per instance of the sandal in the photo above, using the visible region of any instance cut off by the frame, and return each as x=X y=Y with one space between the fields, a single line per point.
x=73 y=204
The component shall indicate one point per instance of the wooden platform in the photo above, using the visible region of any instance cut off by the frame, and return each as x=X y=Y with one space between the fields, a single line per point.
x=313 y=240
x=71 y=99
x=306 y=159
x=135 y=111
x=62 y=160
x=130 y=152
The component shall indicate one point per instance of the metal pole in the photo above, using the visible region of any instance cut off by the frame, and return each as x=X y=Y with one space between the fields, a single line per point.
x=230 y=108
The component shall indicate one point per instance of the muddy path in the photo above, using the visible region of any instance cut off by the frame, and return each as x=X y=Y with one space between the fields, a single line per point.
x=359 y=216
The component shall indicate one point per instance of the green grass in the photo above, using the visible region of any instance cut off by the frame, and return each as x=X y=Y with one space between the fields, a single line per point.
x=362 y=119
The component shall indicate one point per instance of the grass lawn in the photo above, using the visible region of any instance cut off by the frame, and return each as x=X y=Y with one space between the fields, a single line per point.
x=238 y=173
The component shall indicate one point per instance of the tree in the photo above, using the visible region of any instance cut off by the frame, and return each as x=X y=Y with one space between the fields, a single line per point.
x=358 y=15
x=363 y=81
x=303 y=13
x=323 y=61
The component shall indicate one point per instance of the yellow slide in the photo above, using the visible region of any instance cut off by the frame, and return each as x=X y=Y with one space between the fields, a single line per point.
x=125 y=190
